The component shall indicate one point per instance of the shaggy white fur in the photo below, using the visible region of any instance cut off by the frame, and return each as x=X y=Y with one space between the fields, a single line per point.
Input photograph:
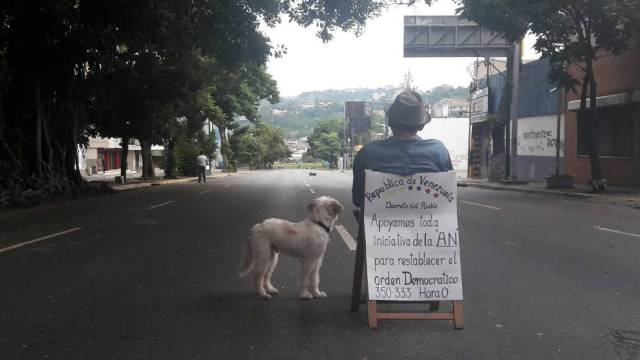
x=306 y=240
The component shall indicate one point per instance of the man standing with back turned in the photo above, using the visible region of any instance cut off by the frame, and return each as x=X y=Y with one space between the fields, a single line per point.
x=202 y=167
x=405 y=153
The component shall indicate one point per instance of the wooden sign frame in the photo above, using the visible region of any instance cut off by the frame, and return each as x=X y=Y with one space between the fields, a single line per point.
x=456 y=314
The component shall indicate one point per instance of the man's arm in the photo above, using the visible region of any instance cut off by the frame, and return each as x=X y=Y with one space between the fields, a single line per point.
x=448 y=164
x=357 y=190
x=446 y=158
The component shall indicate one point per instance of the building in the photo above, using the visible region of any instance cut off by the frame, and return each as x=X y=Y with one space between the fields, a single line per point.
x=103 y=156
x=298 y=148
x=618 y=101
x=537 y=134
x=439 y=110
x=537 y=124
x=618 y=113
x=449 y=108
x=483 y=109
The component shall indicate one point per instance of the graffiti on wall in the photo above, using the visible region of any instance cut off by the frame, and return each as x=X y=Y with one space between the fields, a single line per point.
x=537 y=136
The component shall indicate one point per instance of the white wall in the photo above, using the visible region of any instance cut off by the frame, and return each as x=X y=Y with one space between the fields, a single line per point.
x=454 y=133
x=537 y=136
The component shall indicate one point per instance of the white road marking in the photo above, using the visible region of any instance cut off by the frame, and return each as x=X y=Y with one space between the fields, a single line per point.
x=204 y=192
x=161 y=204
x=346 y=237
x=478 y=204
x=312 y=191
x=42 y=238
x=307 y=184
x=615 y=231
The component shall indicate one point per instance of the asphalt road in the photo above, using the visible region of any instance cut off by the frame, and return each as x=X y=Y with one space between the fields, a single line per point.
x=151 y=274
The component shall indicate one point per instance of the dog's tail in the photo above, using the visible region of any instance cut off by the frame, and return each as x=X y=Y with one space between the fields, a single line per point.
x=247 y=263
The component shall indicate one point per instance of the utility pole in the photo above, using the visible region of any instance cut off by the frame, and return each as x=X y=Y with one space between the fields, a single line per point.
x=560 y=110
x=512 y=147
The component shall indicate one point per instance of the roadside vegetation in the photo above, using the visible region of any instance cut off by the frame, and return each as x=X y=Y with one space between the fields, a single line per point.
x=258 y=146
x=151 y=70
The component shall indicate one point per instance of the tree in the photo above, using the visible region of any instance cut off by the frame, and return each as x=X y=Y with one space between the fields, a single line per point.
x=258 y=145
x=130 y=69
x=273 y=140
x=568 y=32
x=239 y=93
x=326 y=140
x=578 y=32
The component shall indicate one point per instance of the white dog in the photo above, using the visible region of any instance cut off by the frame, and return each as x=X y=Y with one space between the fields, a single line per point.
x=306 y=240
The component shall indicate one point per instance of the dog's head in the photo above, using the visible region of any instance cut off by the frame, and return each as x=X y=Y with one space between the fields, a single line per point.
x=325 y=209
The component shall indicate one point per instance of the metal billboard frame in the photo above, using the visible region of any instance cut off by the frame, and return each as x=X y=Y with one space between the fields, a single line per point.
x=450 y=36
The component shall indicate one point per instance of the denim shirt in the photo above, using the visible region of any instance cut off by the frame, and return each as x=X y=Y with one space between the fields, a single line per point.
x=398 y=156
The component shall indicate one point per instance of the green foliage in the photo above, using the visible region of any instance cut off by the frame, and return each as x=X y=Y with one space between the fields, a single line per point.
x=378 y=127
x=131 y=69
x=229 y=157
x=187 y=152
x=182 y=150
x=259 y=145
x=326 y=140
x=299 y=115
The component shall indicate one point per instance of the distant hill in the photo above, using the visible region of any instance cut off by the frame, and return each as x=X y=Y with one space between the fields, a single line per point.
x=298 y=115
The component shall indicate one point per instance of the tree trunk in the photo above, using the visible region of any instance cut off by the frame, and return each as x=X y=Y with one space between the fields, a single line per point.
x=38 y=126
x=123 y=159
x=225 y=150
x=594 y=153
x=589 y=120
x=147 y=160
x=170 y=167
x=13 y=157
x=73 y=164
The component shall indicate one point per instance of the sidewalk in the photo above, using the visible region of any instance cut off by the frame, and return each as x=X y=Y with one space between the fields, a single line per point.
x=614 y=195
x=136 y=183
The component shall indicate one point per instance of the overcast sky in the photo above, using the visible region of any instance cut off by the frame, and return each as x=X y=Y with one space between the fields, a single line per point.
x=372 y=60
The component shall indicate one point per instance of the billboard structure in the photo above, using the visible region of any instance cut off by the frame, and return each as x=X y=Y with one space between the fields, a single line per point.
x=357 y=122
x=450 y=36
x=479 y=107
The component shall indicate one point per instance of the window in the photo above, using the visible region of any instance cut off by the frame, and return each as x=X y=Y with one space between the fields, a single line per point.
x=615 y=132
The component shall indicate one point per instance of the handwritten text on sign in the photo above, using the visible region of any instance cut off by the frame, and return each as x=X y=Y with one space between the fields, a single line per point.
x=411 y=228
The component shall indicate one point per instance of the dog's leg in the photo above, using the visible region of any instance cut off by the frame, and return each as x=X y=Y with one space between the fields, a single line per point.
x=259 y=279
x=262 y=262
x=272 y=266
x=306 y=285
x=315 y=278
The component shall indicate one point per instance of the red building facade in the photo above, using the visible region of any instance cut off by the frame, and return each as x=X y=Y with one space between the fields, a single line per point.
x=618 y=104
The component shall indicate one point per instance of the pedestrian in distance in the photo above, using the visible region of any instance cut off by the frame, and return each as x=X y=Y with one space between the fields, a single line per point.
x=404 y=153
x=202 y=167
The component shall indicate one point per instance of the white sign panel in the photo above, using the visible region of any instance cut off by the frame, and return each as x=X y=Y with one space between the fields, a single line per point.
x=537 y=136
x=479 y=107
x=412 y=240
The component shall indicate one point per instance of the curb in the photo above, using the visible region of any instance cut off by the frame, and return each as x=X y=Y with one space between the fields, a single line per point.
x=567 y=194
x=149 y=184
x=129 y=186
